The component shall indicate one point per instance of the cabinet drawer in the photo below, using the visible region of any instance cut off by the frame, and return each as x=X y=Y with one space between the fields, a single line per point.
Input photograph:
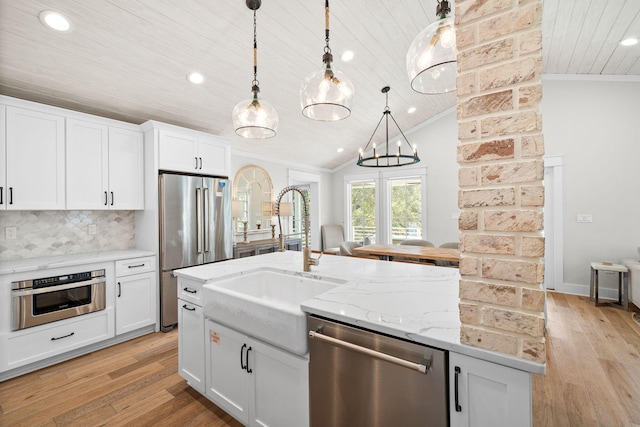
x=190 y=291
x=128 y=267
x=43 y=342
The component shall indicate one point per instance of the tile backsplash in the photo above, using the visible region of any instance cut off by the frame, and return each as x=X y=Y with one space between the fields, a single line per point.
x=48 y=233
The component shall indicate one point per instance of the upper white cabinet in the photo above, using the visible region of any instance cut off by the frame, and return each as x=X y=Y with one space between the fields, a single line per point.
x=35 y=163
x=104 y=167
x=186 y=152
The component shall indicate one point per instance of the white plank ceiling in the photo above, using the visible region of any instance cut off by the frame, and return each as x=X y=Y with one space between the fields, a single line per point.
x=127 y=59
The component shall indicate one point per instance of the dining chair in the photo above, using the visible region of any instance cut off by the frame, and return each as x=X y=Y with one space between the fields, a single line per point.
x=332 y=236
x=448 y=245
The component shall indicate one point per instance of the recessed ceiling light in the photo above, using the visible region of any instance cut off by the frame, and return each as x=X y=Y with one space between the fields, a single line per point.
x=411 y=110
x=346 y=56
x=629 y=41
x=195 y=77
x=55 y=20
x=340 y=150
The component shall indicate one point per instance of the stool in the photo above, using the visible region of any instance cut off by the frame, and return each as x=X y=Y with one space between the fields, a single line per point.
x=623 y=284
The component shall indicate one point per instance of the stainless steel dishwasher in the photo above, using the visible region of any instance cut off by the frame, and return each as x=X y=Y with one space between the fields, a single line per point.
x=362 y=378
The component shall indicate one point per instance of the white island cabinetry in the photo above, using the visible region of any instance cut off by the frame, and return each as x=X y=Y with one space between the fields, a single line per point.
x=485 y=394
x=191 y=339
x=260 y=385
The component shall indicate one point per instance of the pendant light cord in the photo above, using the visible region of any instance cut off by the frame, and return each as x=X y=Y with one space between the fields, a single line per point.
x=327 y=49
x=255 y=52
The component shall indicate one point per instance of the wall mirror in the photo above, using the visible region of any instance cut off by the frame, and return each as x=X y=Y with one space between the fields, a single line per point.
x=253 y=189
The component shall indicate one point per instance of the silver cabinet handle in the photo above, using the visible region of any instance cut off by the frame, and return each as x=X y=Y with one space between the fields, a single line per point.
x=372 y=353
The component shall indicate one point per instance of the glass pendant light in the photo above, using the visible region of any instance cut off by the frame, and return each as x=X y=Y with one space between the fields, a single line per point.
x=326 y=94
x=385 y=156
x=255 y=117
x=431 y=59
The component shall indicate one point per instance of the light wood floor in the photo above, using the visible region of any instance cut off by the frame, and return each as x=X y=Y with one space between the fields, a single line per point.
x=593 y=366
x=593 y=379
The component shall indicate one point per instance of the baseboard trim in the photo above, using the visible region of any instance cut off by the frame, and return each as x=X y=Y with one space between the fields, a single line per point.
x=583 y=290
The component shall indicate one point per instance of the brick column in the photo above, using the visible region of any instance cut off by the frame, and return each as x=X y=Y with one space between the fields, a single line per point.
x=501 y=195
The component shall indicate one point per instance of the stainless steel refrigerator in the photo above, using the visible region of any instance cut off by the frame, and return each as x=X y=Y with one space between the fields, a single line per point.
x=195 y=228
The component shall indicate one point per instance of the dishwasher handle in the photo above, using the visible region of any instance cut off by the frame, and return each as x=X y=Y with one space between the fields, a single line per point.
x=373 y=353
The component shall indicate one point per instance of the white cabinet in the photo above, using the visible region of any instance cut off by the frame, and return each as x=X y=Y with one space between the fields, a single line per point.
x=3 y=157
x=135 y=294
x=34 y=161
x=258 y=384
x=191 y=337
x=104 y=167
x=487 y=394
x=190 y=153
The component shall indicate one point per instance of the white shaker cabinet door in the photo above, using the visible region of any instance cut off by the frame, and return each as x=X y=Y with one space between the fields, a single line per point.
x=3 y=157
x=227 y=381
x=485 y=394
x=87 y=165
x=135 y=302
x=212 y=158
x=35 y=160
x=126 y=169
x=191 y=344
x=177 y=152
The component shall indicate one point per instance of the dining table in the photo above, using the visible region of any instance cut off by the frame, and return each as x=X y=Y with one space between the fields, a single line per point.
x=423 y=253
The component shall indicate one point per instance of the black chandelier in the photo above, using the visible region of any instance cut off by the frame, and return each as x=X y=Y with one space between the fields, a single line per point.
x=386 y=157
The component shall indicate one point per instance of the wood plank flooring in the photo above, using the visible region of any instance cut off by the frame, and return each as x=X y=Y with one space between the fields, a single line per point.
x=593 y=379
x=593 y=366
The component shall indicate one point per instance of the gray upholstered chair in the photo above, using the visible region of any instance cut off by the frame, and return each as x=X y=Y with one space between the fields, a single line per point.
x=448 y=245
x=417 y=242
x=346 y=248
x=332 y=237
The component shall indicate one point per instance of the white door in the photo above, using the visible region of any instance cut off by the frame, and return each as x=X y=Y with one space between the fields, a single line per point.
x=485 y=394
x=3 y=158
x=35 y=160
x=212 y=158
x=87 y=165
x=280 y=387
x=191 y=353
x=553 y=225
x=126 y=169
x=227 y=382
x=177 y=152
x=135 y=302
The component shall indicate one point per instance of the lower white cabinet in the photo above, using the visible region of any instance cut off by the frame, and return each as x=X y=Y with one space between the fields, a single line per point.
x=36 y=344
x=258 y=384
x=191 y=344
x=135 y=294
x=487 y=394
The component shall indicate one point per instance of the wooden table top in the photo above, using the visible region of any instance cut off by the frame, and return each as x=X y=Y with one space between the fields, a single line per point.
x=420 y=252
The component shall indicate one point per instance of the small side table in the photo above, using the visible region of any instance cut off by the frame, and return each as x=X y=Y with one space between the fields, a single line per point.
x=623 y=284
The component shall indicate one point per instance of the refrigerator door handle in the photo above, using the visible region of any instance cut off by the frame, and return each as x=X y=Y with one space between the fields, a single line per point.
x=199 y=219
x=207 y=247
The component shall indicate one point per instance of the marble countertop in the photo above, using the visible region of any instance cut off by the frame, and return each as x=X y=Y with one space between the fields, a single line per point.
x=404 y=300
x=43 y=263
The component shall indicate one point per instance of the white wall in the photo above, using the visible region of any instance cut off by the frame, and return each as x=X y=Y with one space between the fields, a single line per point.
x=594 y=125
x=436 y=141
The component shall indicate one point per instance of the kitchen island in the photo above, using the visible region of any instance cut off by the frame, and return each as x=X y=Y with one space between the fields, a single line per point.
x=407 y=301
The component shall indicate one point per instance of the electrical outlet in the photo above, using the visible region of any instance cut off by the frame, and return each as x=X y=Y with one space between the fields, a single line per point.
x=92 y=229
x=584 y=218
x=10 y=233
